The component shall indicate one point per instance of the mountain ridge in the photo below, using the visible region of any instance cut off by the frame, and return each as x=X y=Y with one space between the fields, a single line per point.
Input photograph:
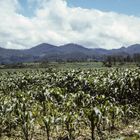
x=70 y=51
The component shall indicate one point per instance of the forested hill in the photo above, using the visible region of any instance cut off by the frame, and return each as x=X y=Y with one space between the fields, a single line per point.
x=68 y=52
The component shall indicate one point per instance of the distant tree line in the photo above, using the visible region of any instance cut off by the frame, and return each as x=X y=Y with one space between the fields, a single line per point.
x=121 y=59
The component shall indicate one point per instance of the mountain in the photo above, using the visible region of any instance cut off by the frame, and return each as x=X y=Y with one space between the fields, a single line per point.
x=65 y=52
x=126 y=50
x=69 y=52
x=71 y=47
x=41 y=49
x=133 y=49
x=9 y=52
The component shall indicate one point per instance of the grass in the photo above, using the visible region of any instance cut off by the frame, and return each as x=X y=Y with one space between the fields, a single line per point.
x=66 y=65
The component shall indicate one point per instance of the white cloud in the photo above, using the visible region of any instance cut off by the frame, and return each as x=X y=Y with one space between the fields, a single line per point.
x=56 y=23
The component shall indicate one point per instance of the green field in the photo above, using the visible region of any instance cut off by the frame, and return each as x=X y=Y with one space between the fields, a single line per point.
x=79 y=101
x=65 y=65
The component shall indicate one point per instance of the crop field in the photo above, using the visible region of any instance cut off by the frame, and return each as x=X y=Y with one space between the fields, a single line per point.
x=50 y=104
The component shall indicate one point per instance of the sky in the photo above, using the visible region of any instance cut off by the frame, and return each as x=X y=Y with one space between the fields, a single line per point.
x=129 y=7
x=92 y=23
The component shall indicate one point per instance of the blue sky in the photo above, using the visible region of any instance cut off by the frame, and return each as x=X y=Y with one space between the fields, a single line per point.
x=26 y=9
x=128 y=7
